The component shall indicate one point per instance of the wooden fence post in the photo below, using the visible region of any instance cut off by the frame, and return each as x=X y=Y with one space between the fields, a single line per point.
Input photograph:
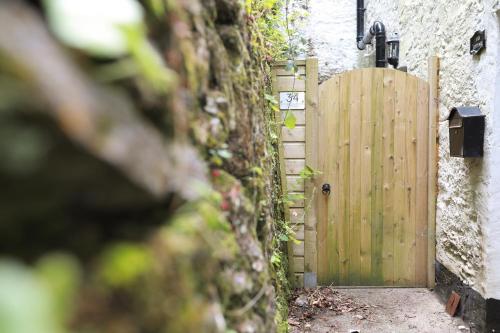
x=433 y=78
x=310 y=251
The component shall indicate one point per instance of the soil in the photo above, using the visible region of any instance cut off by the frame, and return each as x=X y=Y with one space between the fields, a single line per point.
x=384 y=310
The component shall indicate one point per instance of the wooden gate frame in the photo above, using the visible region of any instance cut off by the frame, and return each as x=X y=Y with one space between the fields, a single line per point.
x=303 y=260
x=433 y=79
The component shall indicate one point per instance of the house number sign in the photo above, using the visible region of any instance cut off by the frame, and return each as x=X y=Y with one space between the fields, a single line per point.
x=292 y=100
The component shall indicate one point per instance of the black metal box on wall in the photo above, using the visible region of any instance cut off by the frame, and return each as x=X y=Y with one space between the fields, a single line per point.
x=466 y=125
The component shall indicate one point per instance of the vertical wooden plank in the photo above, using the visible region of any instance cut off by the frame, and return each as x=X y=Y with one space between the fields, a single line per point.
x=310 y=255
x=388 y=119
x=422 y=186
x=377 y=177
x=327 y=145
x=433 y=77
x=343 y=187
x=355 y=178
x=322 y=204
x=399 y=178
x=410 y=181
x=367 y=136
x=333 y=170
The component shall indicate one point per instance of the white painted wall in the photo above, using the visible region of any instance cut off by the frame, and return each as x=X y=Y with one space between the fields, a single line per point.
x=468 y=209
x=492 y=229
x=332 y=34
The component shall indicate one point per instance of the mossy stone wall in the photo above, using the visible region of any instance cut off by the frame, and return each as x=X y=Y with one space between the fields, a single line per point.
x=134 y=209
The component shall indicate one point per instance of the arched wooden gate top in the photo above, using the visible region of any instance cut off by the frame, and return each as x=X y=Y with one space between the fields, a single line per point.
x=384 y=72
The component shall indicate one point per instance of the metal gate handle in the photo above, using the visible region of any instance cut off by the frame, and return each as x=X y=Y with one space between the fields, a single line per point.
x=326 y=189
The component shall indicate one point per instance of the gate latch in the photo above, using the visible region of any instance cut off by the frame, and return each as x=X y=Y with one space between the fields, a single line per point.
x=326 y=189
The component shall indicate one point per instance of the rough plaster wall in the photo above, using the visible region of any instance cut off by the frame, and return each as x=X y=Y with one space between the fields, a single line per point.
x=492 y=229
x=468 y=189
x=332 y=34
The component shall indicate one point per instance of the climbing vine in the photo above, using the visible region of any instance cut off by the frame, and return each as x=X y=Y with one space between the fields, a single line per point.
x=267 y=33
x=275 y=34
x=269 y=36
x=278 y=25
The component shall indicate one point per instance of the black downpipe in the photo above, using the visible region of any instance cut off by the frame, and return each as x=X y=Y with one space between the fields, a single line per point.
x=377 y=30
x=380 y=37
x=360 y=20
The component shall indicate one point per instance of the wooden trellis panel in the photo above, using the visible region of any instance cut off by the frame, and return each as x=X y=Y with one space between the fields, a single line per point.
x=295 y=149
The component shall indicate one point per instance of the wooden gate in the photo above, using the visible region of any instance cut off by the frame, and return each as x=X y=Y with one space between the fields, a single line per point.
x=373 y=143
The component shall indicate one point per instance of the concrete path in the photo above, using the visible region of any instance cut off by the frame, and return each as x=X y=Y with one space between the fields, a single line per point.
x=398 y=310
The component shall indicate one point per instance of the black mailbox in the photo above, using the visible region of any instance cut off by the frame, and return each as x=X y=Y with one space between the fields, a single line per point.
x=466 y=126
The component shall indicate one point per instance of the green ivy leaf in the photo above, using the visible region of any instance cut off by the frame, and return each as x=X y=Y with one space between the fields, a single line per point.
x=123 y=263
x=292 y=197
x=308 y=172
x=283 y=238
x=147 y=59
x=271 y=99
x=224 y=153
x=275 y=259
x=256 y=170
x=290 y=120
x=158 y=7
x=94 y=25
x=61 y=276
x=296 y=196
x=26 y=304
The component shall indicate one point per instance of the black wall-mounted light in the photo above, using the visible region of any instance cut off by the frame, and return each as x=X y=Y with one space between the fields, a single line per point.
x=393 y=50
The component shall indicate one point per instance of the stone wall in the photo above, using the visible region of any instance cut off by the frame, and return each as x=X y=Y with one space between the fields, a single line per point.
x=467 y=222
x=139 y=193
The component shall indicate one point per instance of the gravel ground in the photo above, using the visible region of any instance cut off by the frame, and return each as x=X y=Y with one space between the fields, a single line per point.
x=380 y=310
